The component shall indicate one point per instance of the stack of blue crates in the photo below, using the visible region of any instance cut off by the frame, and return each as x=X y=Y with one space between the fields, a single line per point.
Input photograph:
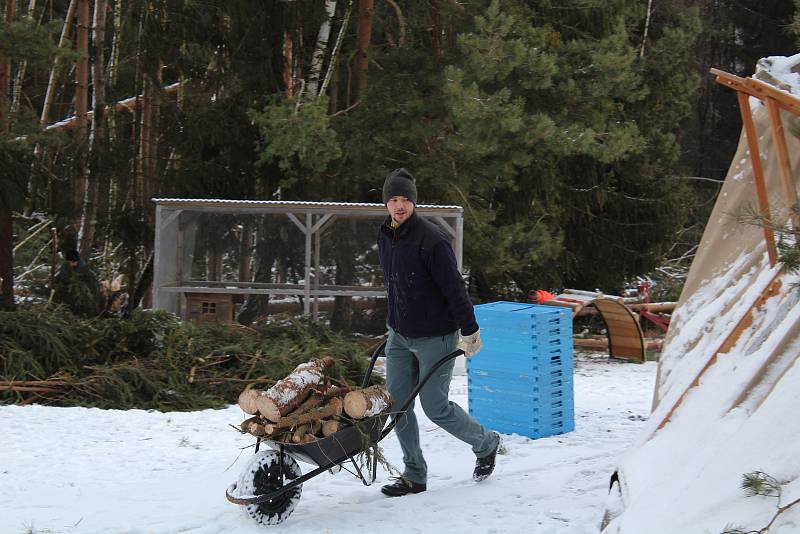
x=521 y=382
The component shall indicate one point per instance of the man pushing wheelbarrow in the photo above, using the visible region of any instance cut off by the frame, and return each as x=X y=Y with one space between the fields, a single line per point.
x=431 y=322
x=428 y=309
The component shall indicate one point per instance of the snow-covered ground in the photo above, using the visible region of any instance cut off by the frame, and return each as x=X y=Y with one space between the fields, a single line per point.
x=76 y=470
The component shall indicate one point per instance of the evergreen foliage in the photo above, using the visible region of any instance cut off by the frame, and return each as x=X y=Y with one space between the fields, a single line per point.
x=154 y=361
x=759 y=483
x=566 y=130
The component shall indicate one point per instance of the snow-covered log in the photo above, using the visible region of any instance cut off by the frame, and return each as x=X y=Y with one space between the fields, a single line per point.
x=367 y=402
x=287 y=394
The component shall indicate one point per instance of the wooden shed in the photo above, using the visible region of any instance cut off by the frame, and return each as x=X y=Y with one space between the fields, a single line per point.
x=209 y=307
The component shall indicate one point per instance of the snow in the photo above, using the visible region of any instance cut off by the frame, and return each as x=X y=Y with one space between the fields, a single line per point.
x=784 y=70
x=727 y=387
x=78 y=470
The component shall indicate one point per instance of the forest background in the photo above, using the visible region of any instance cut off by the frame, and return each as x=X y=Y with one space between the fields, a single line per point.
x=584 y=138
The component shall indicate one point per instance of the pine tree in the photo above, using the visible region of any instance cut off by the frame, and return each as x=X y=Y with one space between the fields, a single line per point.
x=22 y=43
x=558 y=133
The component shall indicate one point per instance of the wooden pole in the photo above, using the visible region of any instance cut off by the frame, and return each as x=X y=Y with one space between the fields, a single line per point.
x=785 y=166
x=758 y=175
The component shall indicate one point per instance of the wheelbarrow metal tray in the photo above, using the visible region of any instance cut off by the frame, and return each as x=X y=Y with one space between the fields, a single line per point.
x=333 y=449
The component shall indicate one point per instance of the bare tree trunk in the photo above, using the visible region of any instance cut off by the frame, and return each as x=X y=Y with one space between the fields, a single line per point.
x=113 y=62
x=81 y=105
x=246 y=253
x=19 y=79
x=333 y=64
x=5 y=74
x=287 y=65
x=110 y=182
x=646 y=26
x=6 y=258
x=6 y=222
x=54 y=71
x=363 y=38
x=97 y=132
x=436 y=28
x=320 y=51
x=145 y=123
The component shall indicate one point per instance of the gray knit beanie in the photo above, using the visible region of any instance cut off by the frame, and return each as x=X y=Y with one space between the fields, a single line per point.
x=399 y=183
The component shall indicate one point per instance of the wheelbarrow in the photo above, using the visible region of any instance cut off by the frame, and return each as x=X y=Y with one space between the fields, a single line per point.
x=271 y=483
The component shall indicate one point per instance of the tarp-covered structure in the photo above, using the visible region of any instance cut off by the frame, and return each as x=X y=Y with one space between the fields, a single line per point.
x=727 y=393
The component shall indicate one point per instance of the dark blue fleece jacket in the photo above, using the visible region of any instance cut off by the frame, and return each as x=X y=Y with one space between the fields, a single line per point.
x=427 y=296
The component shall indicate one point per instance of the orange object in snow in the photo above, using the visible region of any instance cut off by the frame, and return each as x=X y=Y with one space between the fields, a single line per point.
x=540 y=296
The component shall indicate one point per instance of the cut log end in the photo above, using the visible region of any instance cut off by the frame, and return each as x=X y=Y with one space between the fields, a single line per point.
x=367 y=402
x=247 y=401
x=330 y=427
x=267 y=408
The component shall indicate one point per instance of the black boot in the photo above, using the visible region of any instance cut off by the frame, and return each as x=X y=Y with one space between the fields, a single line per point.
x=402 y=486
x=485 y=465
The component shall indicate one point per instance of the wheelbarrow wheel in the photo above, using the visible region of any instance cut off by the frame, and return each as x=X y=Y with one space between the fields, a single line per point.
x=262 y=475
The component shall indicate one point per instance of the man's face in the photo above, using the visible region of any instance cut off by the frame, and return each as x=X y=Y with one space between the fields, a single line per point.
x=400 y=209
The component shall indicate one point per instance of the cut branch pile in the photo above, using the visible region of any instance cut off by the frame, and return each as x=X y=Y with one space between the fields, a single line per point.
x=152 y=360
x=306 y=406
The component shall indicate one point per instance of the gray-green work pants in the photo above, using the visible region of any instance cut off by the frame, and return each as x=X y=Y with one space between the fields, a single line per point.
x=408 y=359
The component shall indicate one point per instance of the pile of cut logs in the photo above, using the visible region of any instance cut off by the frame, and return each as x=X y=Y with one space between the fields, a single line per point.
x=304 y=406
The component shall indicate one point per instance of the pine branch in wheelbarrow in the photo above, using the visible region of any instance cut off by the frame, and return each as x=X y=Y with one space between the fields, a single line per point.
x=288 y=393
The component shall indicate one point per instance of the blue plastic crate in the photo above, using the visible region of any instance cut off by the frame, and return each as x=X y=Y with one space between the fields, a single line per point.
x=520 y=317
x=553 y=409
x=536 y=386
x=531 y=431
x=535 y=417
x=521 y=382
x=525 y=342
x=495 y=357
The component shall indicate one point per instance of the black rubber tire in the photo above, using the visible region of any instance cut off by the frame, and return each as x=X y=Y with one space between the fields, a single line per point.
x=262 y=475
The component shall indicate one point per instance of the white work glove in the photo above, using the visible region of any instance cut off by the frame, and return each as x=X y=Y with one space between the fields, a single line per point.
x=471 y=344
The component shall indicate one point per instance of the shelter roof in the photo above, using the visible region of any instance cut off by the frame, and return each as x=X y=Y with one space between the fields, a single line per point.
x=281 y=205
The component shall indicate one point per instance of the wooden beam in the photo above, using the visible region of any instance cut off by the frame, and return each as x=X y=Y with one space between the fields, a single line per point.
x=758 y=89
x=785 y=166
x=758 y=174
x=763 y=91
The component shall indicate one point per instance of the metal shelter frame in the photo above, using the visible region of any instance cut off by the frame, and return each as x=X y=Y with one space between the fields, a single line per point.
x=312 y=218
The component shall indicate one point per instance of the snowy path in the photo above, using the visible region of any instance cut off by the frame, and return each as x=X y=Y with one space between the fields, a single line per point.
x=103 y=471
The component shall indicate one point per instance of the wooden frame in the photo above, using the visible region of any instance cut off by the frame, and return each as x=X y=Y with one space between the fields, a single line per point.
x=311 y=218
x=774 y=100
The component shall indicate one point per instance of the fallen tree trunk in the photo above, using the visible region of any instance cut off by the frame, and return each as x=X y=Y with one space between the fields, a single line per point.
x=367 y=402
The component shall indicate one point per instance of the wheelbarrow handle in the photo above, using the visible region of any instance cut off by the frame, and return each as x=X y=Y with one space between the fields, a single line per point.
x=375 y=355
